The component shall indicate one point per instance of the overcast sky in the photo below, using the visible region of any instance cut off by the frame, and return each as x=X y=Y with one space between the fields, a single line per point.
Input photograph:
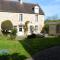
x=50 y=7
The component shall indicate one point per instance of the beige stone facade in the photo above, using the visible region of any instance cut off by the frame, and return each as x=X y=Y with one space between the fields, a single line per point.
x=35 y=20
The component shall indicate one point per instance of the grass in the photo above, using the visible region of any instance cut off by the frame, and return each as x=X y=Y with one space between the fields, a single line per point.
x=27 y=47
x=13 y=46
x=37 y=44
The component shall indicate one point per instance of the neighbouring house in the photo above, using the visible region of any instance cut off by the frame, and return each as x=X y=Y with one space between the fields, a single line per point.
x=19 y=12
x=54 y=28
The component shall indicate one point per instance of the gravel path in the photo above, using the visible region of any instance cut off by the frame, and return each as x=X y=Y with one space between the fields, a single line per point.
x=48 y=54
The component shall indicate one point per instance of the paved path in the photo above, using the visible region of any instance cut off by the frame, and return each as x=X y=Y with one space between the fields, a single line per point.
x=48 y=54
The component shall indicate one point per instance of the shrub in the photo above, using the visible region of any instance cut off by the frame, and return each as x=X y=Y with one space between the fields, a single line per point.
x=13 y=33
x=6 y=26
x=45 y=29
x=31 y=36
x=35 y=36
x=4 y=52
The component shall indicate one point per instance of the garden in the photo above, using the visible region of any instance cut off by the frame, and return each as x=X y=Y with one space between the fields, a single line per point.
x=14 y=49
x=22 y=49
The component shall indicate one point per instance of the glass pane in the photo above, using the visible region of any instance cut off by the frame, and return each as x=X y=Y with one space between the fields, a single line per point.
x=20 y=17
x=20 y=29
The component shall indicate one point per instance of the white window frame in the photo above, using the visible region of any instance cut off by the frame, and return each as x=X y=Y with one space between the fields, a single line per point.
x=20 y=27
x=36 y=9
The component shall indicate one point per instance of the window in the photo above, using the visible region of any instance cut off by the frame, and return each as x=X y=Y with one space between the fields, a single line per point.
x=36 y=9
x=36 y=18
x=36 y=28
x=20 y=17
x=20 y=28
x=31 y=28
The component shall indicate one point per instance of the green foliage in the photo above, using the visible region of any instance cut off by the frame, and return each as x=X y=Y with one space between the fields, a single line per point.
x=13 y=33
x=46 y=21
x=6 y=26
x=45 y=29
x=31 y=36
x=4 y=52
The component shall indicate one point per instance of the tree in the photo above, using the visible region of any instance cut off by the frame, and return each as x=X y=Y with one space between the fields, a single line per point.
x=45 y=28
x=6 y=26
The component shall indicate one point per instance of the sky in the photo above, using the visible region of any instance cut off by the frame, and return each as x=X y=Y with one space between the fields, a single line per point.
x=50 y=7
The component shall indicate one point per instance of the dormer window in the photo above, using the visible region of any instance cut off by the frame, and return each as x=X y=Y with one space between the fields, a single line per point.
x=21 y=2
x=36 y=9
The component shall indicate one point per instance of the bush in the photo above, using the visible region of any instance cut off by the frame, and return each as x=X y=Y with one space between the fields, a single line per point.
x=35 y=36
x=45 y=29
x=4 y=52
x=31 y=36
x=6 y=26
x=13 y=33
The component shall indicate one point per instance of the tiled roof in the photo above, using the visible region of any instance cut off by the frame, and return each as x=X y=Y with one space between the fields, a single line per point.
x=13 y=6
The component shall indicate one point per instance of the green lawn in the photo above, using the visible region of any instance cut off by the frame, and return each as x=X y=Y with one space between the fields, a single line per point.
x=27 y=47
x=37 y=44
x=13 y=46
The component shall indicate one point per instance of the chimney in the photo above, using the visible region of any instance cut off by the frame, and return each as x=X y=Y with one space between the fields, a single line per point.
x=21 y=2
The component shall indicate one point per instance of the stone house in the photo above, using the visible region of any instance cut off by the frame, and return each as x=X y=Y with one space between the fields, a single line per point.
x=19 y=12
